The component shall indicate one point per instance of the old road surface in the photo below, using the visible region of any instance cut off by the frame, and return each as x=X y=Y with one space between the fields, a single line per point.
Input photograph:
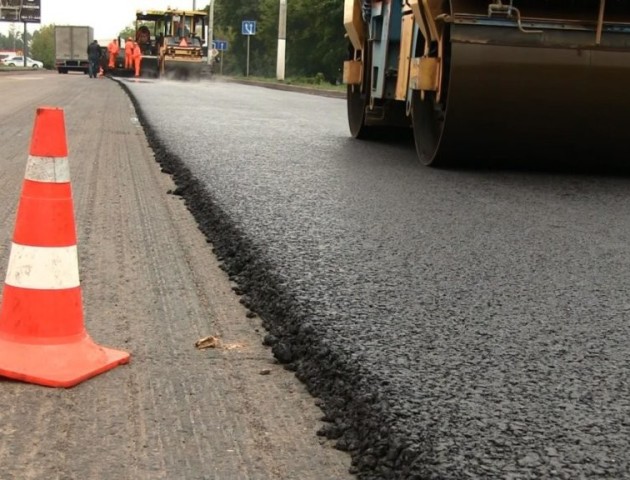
x=463 y=323
x=152 y=286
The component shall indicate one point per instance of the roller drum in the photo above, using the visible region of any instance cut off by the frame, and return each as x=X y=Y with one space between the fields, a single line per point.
x=512 y=95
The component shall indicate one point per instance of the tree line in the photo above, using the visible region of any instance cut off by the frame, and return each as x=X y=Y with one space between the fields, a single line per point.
x=315 y=44
x=13 y=41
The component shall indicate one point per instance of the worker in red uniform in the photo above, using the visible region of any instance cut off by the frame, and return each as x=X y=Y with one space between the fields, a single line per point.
x=129 y=44
x=113 y=49
x=137 y=58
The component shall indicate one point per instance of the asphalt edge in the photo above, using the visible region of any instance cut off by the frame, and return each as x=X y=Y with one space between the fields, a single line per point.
x=286 y=87
x=354 y=411
x=22 y=70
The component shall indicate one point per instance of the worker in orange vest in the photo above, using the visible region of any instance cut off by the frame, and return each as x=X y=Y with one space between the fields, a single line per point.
x=113 y=49
x=137 y=58
x=129 y=44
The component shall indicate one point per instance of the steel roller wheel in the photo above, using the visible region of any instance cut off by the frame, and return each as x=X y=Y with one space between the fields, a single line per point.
x=357 y=101
x=357 y=98
x=429 y=114
x=428 y=126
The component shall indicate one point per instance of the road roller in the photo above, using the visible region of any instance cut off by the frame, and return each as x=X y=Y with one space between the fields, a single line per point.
x=491 y=79
x=172 y=42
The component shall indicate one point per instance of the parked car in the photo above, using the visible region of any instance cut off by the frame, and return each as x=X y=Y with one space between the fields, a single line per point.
x=6 y=54
x=18 y=61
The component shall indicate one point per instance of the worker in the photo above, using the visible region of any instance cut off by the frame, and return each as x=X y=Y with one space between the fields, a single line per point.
x=181 y=30
x=129 y=45
x=113 y=49
x=137 y=58
x=94 y=55
x=143 y=35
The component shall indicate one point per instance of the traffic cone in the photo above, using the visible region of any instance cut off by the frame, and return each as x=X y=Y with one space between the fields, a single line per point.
x=42 y=337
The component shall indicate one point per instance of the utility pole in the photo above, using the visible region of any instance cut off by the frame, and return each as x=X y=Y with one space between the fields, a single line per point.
x=211 y=33
x=282 y=39
x=25 y=47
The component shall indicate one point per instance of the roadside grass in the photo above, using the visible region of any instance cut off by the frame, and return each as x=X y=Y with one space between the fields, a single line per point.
x=318 y=82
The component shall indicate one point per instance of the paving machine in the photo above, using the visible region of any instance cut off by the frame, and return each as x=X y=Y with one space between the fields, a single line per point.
x=172 y=42
x=491 y=78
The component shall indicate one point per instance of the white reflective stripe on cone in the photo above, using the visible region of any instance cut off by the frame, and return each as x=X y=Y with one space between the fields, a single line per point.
x=43 y=268
x=47 y=169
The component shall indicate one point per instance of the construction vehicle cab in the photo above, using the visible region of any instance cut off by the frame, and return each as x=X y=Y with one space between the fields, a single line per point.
x=171 y=42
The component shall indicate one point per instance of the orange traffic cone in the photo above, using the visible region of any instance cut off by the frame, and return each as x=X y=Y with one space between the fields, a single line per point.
x=42 y=337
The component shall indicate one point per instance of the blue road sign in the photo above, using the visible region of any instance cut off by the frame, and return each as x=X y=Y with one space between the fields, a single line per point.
x=248 y=27
x=220 y=45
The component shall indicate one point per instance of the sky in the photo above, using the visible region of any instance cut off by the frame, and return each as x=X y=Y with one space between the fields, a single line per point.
x=107 y=17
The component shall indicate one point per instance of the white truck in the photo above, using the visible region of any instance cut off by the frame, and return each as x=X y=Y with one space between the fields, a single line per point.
x=71 y=42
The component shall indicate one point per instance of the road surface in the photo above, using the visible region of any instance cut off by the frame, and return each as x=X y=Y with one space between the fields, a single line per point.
x=152 y=286
x=463 y=323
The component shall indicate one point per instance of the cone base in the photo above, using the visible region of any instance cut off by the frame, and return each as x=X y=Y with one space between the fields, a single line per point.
x=63 y=365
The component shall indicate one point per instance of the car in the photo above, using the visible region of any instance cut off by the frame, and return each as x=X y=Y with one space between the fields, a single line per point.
x=18 y=61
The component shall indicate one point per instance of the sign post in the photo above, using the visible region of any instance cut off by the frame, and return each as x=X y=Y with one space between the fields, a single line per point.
x=282 y=40
x=25 y=46
x=210 y=30
x=248 y=28
x=221 y=46
x=25 y=11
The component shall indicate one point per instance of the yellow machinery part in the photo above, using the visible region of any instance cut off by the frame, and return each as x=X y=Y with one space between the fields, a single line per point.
x=353 y=23
x=352 y=72
x=406 y=44
x=424 y=74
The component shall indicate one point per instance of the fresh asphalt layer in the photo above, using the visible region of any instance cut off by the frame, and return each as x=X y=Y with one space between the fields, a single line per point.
x=468 y=323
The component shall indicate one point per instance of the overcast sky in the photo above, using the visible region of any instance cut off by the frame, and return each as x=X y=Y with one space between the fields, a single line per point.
x=107 y=17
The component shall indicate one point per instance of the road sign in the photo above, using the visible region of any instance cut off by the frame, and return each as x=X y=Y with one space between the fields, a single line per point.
x=248 y=27
x=220 y=45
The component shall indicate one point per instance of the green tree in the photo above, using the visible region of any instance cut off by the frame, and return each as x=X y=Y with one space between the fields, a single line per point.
x=128 y=31
x=12 y=41
x=43 y=46
x=315 y=36
x=228 y=16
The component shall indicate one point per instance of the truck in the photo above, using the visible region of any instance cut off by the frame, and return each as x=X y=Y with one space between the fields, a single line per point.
x=491 y=79
x=71 y=42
